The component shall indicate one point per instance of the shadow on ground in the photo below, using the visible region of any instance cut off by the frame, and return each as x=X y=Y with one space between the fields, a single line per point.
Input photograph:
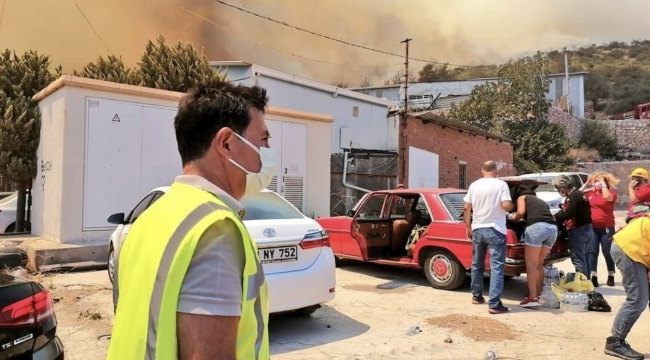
x=515 y=288
x=327 y=325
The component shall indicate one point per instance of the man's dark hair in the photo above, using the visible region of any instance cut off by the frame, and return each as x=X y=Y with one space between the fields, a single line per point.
x=209 y=107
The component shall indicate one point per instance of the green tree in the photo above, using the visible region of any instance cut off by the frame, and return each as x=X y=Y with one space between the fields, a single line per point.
x=515 y=106
x=431 y=73
x=597 y=88
x=110 y=69
x=21 y=77
x=175 y=68
x=596 y=135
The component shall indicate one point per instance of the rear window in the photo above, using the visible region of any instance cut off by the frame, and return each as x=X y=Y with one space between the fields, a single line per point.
x=577 y=182
x=269 y=206
x=454 y=203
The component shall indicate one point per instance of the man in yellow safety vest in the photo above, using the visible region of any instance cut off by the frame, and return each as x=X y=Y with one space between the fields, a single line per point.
x=188 y=280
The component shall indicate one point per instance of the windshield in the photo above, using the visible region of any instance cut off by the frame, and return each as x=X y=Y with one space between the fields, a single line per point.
x=269 y=206
x=577 y=182
x=454 y=203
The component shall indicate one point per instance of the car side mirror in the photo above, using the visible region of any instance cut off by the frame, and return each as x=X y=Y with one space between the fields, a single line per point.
x=350 y=213
x=116 y=219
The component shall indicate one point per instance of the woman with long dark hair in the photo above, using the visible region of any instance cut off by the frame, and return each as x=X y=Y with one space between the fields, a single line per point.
x=539 y=237
x=602 y=199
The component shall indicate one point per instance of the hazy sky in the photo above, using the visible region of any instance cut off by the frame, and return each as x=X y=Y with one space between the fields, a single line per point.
x=461 y=31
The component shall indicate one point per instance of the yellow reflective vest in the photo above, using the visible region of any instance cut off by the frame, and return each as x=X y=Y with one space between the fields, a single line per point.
x=634 y=240
x=150 y=271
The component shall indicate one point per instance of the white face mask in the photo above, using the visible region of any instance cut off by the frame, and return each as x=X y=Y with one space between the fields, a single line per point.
x=256 y=182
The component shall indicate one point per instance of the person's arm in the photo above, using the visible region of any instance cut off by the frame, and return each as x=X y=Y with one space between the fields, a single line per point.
x=506 y=200
x=521 y=209
x=467 y=212
x=632 y=191
x=209 y=305
x=607 y=195
x=572 y=206
x=587 y=183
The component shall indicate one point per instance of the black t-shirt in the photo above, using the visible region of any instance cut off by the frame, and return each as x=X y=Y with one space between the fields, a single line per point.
x=537 y=211
x=578 y=208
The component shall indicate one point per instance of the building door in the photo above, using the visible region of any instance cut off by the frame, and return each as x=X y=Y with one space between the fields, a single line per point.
x=423 y=168
x=290 y=144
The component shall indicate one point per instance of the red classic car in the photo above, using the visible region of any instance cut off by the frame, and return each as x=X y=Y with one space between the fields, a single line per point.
x=379 y=230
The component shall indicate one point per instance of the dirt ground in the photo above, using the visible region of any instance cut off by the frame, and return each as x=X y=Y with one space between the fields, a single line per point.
x=375 y=307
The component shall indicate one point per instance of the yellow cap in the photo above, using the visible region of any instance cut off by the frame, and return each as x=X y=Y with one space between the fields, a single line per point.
x=640 y=172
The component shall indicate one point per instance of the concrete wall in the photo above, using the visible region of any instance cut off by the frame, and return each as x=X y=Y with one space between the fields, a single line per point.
x=454 y=147
x=621 y=169
x=57 y=207
x=632 y=134
x=349 y=124
x=317 y=180
x=58 y=190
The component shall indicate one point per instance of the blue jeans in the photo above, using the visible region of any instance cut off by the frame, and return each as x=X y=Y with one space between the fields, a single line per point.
x=484 y=240
x=601 y=237
x=579 y=239
x=540 y=234
x=634 y=277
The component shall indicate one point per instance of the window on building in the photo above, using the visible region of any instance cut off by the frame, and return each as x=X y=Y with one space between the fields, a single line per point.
x=355 y=111
x=380 y=94
x=462 y=176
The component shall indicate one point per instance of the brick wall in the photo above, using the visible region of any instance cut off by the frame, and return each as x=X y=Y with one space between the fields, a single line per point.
x=620 y=169
x=453 y=146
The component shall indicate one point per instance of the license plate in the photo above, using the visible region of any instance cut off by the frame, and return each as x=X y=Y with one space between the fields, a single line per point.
x=278 y=254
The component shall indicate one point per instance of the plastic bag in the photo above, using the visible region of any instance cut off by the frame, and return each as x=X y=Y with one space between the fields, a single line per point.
x=576 y=282
x=598 y=303
x=548 y=298
x=558 y=291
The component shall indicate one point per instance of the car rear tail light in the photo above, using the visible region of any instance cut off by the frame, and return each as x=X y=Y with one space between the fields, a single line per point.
x=515 y=252
x=315 y=240
x=511 y=238
x=30 y=311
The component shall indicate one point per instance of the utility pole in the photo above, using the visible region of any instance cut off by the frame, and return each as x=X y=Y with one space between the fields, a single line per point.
x=404 y=117
x=566 y=74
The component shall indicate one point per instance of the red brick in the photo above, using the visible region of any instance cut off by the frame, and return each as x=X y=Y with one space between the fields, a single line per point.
x=453 y=147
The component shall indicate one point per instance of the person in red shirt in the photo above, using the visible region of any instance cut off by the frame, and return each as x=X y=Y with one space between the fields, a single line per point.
x=639 y=190
x=602 y=198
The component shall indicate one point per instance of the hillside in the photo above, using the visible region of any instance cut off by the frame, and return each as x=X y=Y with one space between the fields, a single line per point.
x=618 y=79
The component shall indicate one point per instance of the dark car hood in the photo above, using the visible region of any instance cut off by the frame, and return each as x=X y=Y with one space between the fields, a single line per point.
x=6 y=279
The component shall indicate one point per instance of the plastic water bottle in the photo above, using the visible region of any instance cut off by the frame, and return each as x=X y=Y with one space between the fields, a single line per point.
x=413 y=330
x=491 y=355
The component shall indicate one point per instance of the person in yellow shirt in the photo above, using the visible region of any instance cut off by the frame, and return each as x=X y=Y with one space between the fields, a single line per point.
x=631 y=254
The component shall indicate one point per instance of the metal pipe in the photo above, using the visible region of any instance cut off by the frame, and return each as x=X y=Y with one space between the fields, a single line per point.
x=345 y=176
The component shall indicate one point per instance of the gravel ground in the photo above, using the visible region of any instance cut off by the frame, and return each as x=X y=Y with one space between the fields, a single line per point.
x=374 y=308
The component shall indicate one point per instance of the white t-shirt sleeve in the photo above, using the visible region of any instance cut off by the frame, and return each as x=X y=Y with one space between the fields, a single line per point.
x=505 y=192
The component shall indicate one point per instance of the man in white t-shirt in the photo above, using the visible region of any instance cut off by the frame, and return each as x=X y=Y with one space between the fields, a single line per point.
x=489 y=200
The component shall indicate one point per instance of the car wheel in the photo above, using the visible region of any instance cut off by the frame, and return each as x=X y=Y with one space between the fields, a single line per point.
x=306 y=311
x=11 y=228
x=507 y=277
x=443 y=270
x=111 y=263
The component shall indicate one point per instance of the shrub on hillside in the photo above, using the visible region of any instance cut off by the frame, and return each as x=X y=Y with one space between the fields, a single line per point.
x=596 y=135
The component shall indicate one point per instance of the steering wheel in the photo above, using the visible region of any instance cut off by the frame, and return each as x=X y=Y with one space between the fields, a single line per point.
x=373 y=213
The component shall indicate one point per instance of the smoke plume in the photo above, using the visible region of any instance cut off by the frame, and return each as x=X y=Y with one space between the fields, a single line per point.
x=459 y=32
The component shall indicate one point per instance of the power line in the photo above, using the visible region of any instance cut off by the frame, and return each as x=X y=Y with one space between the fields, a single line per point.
x=91 y=27
x=269 y=47
x=345 y=42
x=2 y=11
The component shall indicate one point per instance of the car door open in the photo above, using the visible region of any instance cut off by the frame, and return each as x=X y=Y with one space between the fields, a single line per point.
x=371 y=227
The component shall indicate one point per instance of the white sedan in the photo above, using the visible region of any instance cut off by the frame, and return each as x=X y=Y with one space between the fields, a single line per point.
x=8 y=207
x=294 y=250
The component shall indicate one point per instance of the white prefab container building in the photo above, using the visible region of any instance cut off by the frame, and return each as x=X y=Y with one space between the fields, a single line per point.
x=105 y=145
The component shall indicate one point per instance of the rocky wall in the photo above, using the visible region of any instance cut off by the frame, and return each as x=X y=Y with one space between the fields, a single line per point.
x=633 y=134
